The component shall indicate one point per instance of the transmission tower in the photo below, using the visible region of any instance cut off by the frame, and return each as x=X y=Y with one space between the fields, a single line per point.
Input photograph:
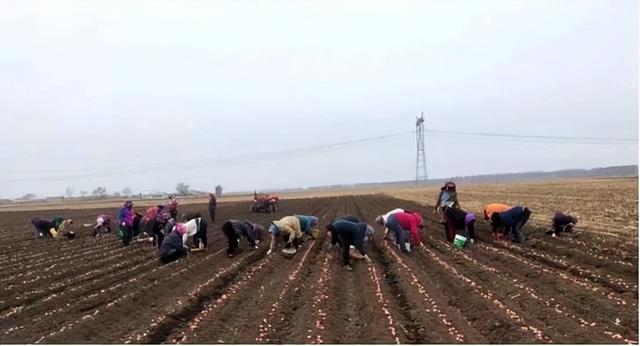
x=421 y=162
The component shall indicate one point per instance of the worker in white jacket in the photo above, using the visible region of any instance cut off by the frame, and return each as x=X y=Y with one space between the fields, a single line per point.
x=382 y=219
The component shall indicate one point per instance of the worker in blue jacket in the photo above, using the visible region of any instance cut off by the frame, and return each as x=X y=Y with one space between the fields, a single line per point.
x=335 y=240
x=351 y=234
x=512 y=220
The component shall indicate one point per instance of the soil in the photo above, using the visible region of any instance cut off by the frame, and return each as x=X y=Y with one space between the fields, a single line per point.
x=580 y=288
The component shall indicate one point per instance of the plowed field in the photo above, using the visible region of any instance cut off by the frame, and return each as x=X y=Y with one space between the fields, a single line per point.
x=575 y=289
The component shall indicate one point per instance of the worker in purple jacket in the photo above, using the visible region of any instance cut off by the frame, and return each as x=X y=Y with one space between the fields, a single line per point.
x=512 y=220
x=126 y=216
x=461 y=222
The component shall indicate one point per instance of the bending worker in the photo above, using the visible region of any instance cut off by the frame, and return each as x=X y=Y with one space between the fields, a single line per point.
x=561 y=222
x=292 y=228
x=399 y=223
x=103 y=225
x=44 y=228
x=334 y=237
x=512 y=220
x=351 y=234
x=384 y=220
x=174 y=245
x=200 y=237
x=461 y=222
x=234 y=230
x=488 y=212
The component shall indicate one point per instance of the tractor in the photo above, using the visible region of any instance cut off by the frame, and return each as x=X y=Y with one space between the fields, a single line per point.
x=264 y=204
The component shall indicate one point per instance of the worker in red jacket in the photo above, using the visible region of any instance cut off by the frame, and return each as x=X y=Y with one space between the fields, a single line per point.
x=401 y=222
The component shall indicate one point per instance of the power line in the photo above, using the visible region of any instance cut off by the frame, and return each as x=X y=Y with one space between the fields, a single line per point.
x=564 y=138
x=220 y=161
x=261 y=156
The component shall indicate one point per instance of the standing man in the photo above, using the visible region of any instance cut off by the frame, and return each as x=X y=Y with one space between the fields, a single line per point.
x=213 y=203
x=448 y=198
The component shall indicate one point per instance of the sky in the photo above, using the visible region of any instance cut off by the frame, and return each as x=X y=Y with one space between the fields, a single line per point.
x=248 y=94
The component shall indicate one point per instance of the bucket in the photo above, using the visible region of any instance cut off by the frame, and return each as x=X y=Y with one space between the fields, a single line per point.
x=289 y=253
x=460 y=241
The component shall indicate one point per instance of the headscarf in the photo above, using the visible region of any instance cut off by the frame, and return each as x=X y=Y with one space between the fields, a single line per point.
x=369 y=232
x=180 y=228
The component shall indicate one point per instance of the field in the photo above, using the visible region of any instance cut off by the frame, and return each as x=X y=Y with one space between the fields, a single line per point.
x=582 y=288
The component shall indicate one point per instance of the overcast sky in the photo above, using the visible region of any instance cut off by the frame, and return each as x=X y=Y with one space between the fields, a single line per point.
x=147 y=94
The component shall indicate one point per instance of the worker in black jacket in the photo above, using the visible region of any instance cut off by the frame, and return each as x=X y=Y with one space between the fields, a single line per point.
x=234 y=230
x=351 y=234
x=335 y=240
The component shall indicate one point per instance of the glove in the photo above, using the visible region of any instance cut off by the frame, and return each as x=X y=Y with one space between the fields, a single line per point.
x=367 y=258
x=268 y=252
x=348 y=267
x=256 y=246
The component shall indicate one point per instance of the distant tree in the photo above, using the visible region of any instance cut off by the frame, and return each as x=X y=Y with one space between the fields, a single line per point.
x=69 y=192
x=83 y=193
x=182 y=189
x=218 y=190
x=126 y=191
x=29 y=196
x=99 y=191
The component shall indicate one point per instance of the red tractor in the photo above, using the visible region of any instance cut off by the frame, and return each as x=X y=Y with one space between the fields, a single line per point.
x=264 y=204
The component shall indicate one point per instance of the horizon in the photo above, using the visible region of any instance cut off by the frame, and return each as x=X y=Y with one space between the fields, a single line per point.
x=428 y=181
